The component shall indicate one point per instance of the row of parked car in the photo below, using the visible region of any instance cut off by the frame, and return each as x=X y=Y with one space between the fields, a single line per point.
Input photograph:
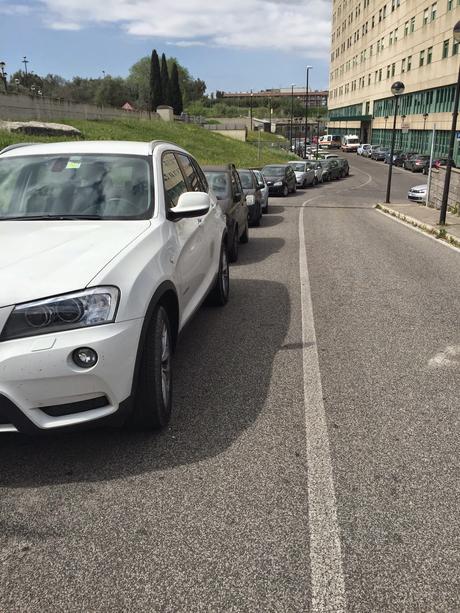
x=413 y=161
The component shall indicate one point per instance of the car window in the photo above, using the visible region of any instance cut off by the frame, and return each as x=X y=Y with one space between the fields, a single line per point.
x=236 y=183
x=201 y=175
x=173 y=179
x=219 y=182
x=298 y=166
x=191 y=175
x=247 y=180
x=107 y=186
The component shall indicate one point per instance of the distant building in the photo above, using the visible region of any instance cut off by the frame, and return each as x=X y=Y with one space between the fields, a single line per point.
x=375 y=43
x=315 y=98
x=128 y=107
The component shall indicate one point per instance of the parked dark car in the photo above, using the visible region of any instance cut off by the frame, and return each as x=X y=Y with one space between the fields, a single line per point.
x=395 y=155
x=253 y=194
x=380 y=153
x=416 y=162
x=399 y=161
x=331 y=169
x=280 y=179
x=226 y=185
x=344 y=167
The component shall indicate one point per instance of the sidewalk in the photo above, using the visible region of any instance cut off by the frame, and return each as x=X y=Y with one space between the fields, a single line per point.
x=425 y=218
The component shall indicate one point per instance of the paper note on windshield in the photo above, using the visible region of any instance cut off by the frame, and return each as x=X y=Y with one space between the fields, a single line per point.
x=73 y=164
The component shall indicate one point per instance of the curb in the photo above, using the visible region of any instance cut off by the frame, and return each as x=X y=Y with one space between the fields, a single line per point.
x=439 y=234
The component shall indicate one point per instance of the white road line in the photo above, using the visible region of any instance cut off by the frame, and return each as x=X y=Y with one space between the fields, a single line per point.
x=364 y=173
x=327 y=581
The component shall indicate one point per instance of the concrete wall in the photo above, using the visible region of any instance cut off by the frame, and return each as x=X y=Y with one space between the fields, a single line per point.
x=24 y=107
x=235 y=134
x=437 y=187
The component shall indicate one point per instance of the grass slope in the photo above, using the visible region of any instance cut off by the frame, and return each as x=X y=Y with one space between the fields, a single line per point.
x=207 y=147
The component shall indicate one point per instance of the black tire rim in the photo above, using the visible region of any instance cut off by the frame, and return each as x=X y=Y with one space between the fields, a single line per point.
x=165 y=364
x=224 y=272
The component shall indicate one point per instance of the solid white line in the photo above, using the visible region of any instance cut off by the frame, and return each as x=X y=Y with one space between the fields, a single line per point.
x=327 y=581
x=364 y=173
x=411 y=227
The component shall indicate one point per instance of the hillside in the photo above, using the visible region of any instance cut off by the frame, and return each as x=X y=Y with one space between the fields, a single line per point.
x=206 y=146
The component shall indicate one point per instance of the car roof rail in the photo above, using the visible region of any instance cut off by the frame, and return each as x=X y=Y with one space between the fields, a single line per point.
x=15 y=146
x=156 y=143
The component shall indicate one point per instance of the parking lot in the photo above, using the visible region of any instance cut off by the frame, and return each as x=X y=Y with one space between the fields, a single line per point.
x=215 y=513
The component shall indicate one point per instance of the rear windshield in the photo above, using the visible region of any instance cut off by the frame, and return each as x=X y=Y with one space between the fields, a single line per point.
x=75 y=186
x=274 y=171
x=218 y=182
x=299 y=167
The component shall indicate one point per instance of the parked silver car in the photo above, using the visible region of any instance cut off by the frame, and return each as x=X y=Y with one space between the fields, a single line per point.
x=304 y=174
x=418 y=193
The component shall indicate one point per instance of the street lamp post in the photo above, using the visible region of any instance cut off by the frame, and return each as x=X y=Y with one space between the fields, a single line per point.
x=3 y=75
x=250 y=110
x=306 y=115
x=318 y=119
x=397 y=89
x=450 y=155
x=403 y=117
x=292 y=113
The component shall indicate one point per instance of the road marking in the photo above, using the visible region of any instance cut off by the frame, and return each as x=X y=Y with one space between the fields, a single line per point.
x=327 y=581
x=449 y=357
x=364 y=173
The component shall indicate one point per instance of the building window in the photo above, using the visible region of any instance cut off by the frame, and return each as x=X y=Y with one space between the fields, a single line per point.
x=388 y=71
x=373 y=21
x=422 y=58
x=455 y=48
x=409 y=63
x=429 y=55
x=449 y=5
x=393 y=69
x=390 y=38
x=380 y=74
x=412 y=24
x=445 y=49
x=371 y=48
x=425 y=16
x=403 y=65
x=395 y=38
x=369 y=78
x=434 y=8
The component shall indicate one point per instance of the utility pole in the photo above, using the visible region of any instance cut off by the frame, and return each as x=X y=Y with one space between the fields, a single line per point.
x=25 y=61
x=306 y=115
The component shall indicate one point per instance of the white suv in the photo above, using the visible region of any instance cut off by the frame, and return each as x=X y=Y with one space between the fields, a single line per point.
x=106 y=251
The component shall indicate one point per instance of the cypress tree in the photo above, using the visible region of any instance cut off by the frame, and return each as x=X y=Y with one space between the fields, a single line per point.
x=176 y=94
x=165 y=83
x=156 y=94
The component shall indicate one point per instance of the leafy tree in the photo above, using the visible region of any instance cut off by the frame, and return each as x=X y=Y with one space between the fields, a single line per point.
x=138 y=82
x=165 y=81
x=112 y=92
x=156 y=93
x=176 y=94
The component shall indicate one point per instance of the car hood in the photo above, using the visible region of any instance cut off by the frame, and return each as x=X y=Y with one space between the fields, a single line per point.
x=419 y=188
x=46 y=258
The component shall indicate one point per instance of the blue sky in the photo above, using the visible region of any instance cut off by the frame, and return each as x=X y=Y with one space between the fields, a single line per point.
x=238 y=45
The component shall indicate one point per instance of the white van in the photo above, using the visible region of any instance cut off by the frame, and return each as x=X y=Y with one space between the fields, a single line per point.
x=330 y=141
x=350 y=142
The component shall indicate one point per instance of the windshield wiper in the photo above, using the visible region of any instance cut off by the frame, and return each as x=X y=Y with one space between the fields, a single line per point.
x=50 y=217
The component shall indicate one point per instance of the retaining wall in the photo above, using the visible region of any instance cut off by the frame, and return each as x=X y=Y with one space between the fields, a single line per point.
x=437 y=187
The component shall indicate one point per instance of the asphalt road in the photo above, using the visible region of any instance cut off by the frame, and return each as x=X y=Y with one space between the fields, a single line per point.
x=317 y=413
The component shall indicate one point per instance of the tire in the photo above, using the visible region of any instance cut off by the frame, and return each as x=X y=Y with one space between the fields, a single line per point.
x=257 y=221
x=266 y=208
x=294 y=191
x=304 y=184
x=153 y=394
x=233 y=251
x=218 y=296
x=244 y=238
x=285 y=191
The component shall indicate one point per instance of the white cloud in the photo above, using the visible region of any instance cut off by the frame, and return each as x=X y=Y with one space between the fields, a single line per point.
x=64 y=25
x=14 y=9
x=285 y=25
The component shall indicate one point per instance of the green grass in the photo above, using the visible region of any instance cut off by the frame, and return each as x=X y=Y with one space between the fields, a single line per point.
x=266 y=137
x=206 y=146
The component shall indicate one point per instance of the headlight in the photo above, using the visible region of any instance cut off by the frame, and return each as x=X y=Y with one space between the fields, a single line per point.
x=250 y=199
x=90 y=307
x=278 y=184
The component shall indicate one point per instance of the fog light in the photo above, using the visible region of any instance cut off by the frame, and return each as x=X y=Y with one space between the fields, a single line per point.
x=85 y=357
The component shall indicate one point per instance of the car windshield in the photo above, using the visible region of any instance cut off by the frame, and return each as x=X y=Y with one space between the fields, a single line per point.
x=75 y=187
x=298 y=167
x=273 y=171
x=218 y=182
x=246 y=179
x=353 y=140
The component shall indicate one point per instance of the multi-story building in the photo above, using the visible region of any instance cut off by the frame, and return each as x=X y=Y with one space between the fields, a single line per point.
x=377 y=42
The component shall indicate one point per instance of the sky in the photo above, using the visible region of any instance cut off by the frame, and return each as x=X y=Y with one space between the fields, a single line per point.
x=233 y=45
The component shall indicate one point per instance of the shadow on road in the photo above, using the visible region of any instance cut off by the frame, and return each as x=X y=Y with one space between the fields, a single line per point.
x=258 y=249
x=222 y=375
x=274 y=208
x=270 y=220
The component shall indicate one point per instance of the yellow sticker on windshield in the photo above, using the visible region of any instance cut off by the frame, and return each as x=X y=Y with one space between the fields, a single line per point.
x=73 y=164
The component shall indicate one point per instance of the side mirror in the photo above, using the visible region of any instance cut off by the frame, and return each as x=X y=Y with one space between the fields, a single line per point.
x=190 y=204
x=237 y=196
x=260 y=185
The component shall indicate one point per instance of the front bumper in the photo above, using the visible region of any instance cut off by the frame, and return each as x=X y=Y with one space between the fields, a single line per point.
x=42 y=389
x=416 y=197
x=275 y=190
